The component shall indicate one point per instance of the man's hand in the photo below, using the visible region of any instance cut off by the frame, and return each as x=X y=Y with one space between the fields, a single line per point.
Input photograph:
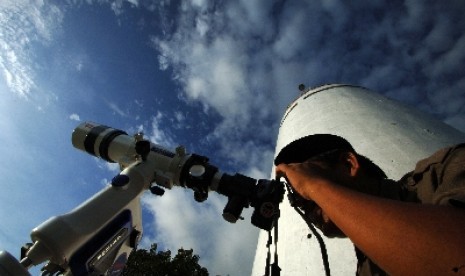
x=303 y=176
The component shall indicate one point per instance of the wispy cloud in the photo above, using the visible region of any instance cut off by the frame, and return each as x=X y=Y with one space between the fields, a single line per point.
x=115 y=108
x=239 y=71
x=158 y=135
x=23 y=24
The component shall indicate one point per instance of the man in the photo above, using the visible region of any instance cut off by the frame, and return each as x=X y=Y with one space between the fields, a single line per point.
x=415 y=226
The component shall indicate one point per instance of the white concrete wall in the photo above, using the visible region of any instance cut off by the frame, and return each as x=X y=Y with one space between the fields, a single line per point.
x=393 y=135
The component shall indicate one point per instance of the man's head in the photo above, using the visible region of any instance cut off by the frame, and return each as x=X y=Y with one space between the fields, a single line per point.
x=326 y=148
x=337 y=156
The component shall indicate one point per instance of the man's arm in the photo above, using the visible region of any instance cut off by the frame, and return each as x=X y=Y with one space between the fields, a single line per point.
x=402 y=238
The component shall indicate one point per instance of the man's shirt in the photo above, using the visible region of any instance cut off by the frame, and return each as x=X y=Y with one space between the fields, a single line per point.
x=438 y=179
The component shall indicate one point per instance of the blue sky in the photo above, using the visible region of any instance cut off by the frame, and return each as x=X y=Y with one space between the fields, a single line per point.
x=214 y=76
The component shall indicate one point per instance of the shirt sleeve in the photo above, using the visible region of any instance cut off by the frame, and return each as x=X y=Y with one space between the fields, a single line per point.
x=440 y=179
x=451 y=188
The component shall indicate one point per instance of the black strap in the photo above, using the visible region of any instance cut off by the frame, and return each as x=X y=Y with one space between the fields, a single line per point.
x=273 y=268
x=268 y=255
x=324 y=252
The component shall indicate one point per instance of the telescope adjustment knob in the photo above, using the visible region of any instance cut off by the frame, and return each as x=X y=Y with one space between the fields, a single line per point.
x=120 y=181
x=157 y=190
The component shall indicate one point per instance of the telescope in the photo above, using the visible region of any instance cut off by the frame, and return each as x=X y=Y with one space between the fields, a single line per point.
x=97 y=236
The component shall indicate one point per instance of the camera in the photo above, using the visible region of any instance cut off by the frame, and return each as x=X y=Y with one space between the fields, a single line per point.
x=268 y=196
x=263 y=195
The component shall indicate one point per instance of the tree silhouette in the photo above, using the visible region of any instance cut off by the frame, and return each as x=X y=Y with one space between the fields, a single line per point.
x=151 y=262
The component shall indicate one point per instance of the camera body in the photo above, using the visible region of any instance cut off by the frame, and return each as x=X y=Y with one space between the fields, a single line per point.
x=268 y=195
x=263 y=195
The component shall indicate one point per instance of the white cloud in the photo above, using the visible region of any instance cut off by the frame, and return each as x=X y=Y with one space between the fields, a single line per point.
x=135 y=3
x=139 y=103
x=17 y=76
x=113 y=167
x=288 y=42
x=113 y=106
x=202 y=26
x=179 y=117
x=450 y=60
x=214 y=70
x=24 y=23
x=179 y=121
x=118 y=5
x=219 y=59
x=440 y=38
x=159 y=135
x=74 y=117
x=179 y=221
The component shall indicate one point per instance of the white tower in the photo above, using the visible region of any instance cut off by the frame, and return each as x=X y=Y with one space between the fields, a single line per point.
x=393 y=135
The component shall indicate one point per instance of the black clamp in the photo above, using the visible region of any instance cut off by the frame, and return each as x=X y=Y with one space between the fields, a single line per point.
x=198 y=182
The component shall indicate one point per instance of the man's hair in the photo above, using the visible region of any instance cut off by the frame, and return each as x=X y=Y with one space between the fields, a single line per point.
x=326 y=148
x=306 y=147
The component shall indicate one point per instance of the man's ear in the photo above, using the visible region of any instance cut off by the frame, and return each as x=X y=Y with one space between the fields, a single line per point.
x=350 y=161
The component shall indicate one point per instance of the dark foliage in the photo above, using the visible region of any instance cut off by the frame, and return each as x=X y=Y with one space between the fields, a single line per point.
x=151 y=262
